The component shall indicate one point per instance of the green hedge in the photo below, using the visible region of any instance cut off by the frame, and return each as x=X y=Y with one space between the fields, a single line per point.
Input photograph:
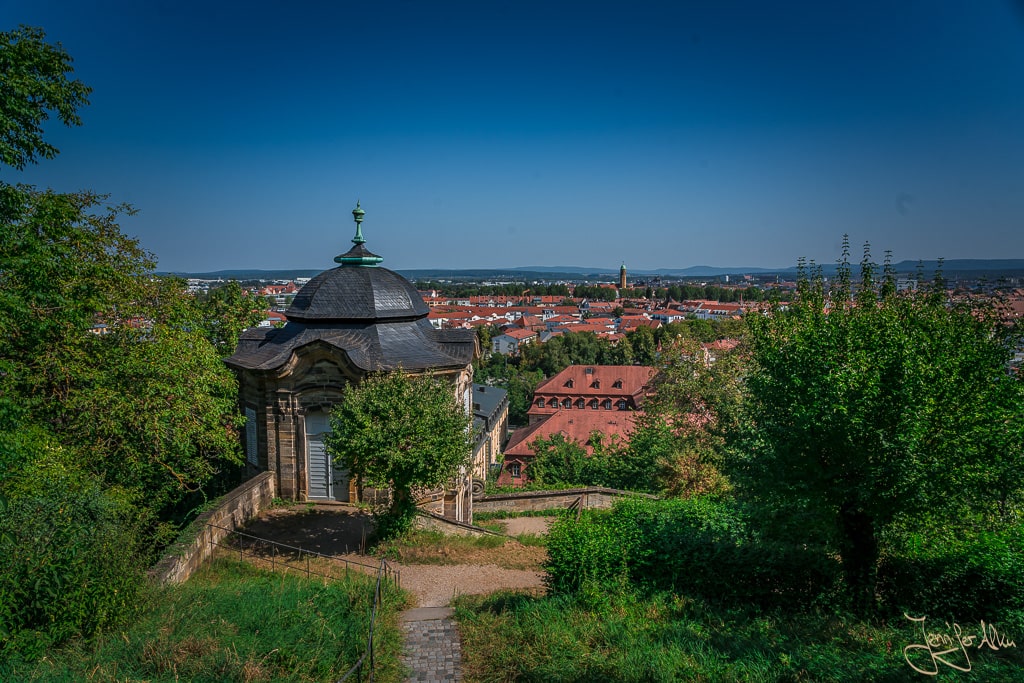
x=966 y=577
x=68 y=565
x=698 y=546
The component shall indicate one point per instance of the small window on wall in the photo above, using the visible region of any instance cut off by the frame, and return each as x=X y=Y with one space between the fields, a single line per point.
x=251 y=452
x=514 y=470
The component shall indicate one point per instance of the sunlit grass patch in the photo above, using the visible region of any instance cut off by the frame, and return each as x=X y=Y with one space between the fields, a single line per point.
x=235 y=622
x=595 y=635
x=432 y=547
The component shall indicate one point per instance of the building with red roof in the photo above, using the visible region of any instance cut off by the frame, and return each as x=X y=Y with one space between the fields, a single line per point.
x=592 y=388
x=573 y=425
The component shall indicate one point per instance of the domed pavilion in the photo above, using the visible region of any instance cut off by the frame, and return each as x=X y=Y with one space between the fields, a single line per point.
x=346 y=322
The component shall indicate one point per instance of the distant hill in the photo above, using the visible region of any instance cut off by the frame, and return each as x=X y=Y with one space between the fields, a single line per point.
x=246 y=274
x=968 y=268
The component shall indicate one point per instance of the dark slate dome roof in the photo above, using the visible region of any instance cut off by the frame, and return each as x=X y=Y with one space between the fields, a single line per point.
x=357 y=294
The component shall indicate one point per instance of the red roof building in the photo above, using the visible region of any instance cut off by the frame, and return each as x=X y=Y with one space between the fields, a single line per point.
x=579 y=426
x=592 y=388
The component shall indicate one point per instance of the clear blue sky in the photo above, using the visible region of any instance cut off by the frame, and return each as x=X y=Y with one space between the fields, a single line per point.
x=498 y=133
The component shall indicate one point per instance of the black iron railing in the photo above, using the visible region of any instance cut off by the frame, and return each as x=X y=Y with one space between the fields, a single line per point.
x=368 y=656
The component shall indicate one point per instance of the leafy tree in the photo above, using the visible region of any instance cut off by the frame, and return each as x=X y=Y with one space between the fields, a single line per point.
x=520 y=387
x=560 y=461
x=147 y=405
x=484 y=335
x=873 y=412
x=226 y=311
x=396 y=431
x=695 y=404
x=34 y=82
x=620 y=354
x=638 y=465
x=644 y=347
x=156 y=414
x=103 y=437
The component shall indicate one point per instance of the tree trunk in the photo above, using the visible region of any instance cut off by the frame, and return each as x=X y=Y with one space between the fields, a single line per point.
x=860 y=557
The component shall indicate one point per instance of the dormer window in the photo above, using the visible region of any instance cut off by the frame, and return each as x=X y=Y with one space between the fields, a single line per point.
x=569 y=384
x=567 y=403
x=580 y=403
x=618 y=384
x=540 y=403
x=596 y=384
x=553 y=403
x=607 y=405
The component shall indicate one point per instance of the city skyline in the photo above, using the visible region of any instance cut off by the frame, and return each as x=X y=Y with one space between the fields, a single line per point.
x=500 y=135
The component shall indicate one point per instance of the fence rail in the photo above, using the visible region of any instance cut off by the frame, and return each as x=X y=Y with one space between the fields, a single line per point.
x=283 y=556
x=368 y=654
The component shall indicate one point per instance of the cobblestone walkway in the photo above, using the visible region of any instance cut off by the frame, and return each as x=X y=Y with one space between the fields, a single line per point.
x=432 y=650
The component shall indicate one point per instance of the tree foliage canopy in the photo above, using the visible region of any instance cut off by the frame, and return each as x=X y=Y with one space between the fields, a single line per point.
x=116 y=412
x=397 y=431
x=34 y=81
x=870 y=409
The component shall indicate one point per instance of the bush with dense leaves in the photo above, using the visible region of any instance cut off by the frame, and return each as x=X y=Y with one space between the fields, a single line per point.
x=69 y=561
x=698 y=546
x=960 y=577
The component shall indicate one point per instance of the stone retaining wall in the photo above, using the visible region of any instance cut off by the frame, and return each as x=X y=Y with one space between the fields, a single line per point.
x=235 y=510
x=592 y=497
x=449 y=527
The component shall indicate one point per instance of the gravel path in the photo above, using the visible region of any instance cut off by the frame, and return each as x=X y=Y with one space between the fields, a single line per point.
x=432 y=647
x=436 y=585
x=527 y=525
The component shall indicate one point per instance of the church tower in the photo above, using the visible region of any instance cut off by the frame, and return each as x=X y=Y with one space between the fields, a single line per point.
x=622 y=276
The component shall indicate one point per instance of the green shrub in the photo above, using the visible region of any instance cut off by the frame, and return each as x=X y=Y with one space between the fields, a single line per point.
x=963 y=578
x=584 y=551
x=68 y=563
x=697 y=546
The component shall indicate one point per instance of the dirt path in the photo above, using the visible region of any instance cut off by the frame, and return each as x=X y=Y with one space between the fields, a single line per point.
x=436 y=585
x=527 y=525
x=341 y=530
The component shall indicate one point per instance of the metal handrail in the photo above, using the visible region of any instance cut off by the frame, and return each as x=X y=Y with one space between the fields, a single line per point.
x=357 y=668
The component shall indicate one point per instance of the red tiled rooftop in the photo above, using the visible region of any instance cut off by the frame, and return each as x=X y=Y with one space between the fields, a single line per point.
x=634 y=378
x=574 y=426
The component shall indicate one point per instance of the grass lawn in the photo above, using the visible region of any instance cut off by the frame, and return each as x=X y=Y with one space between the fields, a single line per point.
x=431 y=547
x=234 y=622
x=599 y=637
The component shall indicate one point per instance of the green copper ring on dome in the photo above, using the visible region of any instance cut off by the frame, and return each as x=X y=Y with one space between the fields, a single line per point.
x=358 y=255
